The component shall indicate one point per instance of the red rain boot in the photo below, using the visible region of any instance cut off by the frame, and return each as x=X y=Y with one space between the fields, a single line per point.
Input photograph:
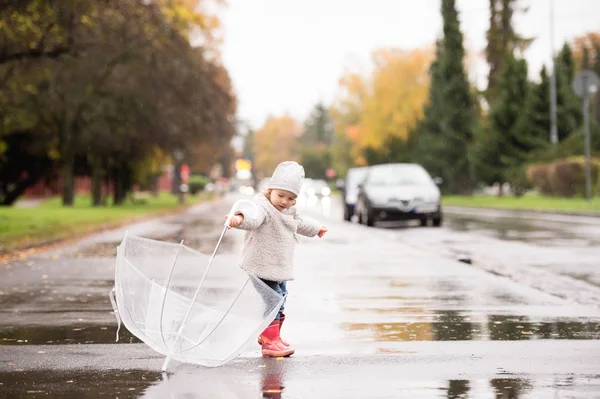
x=281 y=320
x=271 y=342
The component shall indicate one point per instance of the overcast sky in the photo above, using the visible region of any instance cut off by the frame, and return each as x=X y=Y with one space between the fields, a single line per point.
x=285 y=55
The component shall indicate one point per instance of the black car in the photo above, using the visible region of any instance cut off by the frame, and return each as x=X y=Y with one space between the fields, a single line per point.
x=398 y=192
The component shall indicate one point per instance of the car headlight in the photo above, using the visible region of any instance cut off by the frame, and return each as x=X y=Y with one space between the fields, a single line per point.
x=325 y=191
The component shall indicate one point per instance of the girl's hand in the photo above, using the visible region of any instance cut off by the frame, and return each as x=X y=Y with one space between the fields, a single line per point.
x=322 y=231
x=235 y=221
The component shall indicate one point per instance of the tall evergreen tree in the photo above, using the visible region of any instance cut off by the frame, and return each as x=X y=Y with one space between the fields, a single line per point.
x=508 y=115
x=501 y=38
x=568 y=106
x=428 y=130
x=318 y=127
x=512 y=132
x=538 y=105
x=316 y=141
x=446 y=132
x=458 y=118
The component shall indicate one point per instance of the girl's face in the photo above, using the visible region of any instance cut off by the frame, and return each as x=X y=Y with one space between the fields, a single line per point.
x=282 y=199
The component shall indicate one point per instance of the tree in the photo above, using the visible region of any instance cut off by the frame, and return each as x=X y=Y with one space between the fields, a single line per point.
x=382 y=108
x=397 y=93
x=501 y=38
x=429 y=140
x=568 y=106
x=511 y=121
x=346 y=115
x=276 y=141
x=126 y=84
x=538 y=105
x=315 y=142
x=318 y=128
x=458 y=112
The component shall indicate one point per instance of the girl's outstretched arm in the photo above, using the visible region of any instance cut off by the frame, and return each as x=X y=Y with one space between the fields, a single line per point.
x=252 y=219
x=308 y=227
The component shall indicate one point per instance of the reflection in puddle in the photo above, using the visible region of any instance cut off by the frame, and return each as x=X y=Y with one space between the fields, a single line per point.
x=61 y=335
x=262 y=377
x=93 y=384
x=452 y=326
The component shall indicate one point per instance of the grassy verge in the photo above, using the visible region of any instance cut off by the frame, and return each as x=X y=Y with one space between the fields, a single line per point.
x=49 y=222
x=535 y=203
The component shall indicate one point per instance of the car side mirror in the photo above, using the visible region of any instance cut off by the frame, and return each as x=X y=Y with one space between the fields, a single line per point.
x=438 y=180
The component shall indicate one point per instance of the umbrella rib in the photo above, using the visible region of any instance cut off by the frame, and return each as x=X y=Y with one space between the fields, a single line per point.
x=182 y=326
x=162 y=308
x=222 y=318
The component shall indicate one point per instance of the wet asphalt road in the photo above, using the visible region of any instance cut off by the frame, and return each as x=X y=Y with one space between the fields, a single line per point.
x=373 y=312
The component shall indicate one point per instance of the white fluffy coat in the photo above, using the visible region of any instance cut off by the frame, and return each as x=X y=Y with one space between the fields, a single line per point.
x=271 y=238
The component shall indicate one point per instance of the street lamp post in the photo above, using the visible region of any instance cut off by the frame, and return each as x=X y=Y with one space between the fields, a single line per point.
x=585 y=84
x=553 y=127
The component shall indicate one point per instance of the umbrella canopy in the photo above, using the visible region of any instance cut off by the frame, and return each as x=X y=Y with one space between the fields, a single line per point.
x=185 y=304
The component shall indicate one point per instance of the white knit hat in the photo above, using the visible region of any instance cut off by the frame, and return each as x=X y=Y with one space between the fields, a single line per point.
x=287 y=176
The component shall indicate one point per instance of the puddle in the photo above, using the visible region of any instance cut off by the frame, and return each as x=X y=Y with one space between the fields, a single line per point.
x=522 y=230
x=49 y=384
x=62 y=335
x=282 y=382
x=451 y=326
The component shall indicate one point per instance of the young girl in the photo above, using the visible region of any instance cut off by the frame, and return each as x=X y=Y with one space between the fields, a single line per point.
x=270 y=241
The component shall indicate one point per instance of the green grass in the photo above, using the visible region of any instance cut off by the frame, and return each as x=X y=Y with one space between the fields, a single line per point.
x=26 y=227
x=537 y=203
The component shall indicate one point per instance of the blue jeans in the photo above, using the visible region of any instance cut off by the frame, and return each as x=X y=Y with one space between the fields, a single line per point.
x=281 y=289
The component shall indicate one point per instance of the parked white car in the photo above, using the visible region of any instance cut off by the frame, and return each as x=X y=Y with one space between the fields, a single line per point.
x=399 y=192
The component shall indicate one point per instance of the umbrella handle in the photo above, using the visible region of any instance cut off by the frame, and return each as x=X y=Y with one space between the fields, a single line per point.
x=235 y=207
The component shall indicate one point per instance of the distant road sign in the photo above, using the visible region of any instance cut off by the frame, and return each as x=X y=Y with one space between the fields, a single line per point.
x=586 y=82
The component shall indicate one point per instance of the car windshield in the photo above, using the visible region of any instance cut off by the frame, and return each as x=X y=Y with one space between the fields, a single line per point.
x=398 y=175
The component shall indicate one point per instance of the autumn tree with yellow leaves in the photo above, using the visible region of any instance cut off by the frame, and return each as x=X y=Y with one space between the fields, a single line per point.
x=385 y=106
x=276 y=141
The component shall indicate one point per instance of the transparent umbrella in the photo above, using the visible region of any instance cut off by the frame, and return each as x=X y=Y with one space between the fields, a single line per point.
x=187 y=306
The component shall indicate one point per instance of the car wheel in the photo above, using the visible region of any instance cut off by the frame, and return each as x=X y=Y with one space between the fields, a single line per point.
x=437 y=221
x=423 y=221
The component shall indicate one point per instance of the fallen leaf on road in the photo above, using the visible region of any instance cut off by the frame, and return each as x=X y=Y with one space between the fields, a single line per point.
x=41 y=352
x=45 y=276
